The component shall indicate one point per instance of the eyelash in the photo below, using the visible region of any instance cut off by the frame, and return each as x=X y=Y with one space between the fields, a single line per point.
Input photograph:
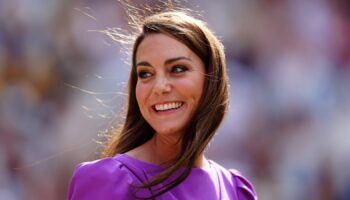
x=143 y=74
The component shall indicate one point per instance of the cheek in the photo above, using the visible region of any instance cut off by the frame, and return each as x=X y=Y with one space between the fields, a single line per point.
x=199 y=92
x=139 y=92
x=142 y=92
x=199 y=89
x=193 y=88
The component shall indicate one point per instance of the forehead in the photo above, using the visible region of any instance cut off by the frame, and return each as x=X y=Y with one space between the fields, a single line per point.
x=160 y=46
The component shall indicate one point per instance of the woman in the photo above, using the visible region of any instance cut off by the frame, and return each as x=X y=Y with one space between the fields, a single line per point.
x=178 y=96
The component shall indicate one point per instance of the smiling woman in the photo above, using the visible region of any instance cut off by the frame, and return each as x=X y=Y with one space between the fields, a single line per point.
x=177 y=99
x=170 y=92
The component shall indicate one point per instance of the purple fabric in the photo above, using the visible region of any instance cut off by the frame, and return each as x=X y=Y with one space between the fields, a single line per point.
x=111 y=178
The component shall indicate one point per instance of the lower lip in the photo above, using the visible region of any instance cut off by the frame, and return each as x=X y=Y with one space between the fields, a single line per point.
x=168 y=112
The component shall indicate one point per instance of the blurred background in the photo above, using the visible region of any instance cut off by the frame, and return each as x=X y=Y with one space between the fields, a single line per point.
x=63 y=84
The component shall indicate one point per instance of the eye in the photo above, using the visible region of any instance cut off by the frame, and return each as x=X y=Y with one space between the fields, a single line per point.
x=143 y=74
x=178 y=69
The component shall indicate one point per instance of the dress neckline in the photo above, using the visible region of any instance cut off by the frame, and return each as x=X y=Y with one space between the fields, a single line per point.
x=154 y=169
x=158 y=168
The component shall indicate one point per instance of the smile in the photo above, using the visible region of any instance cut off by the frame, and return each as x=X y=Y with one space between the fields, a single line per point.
x=167 y=106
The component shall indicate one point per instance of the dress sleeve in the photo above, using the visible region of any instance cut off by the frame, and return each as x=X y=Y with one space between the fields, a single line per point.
x=245 y=189
x=103 y=179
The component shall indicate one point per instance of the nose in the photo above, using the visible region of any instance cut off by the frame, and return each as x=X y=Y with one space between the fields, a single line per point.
x=162 y=85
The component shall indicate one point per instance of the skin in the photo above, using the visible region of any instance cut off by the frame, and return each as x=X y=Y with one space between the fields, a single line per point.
x=168 y=73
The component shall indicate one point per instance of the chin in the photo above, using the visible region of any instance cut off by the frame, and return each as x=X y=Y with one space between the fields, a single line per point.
x=168 y=132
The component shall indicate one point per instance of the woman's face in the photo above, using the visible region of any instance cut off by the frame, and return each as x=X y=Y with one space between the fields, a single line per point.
x=170 y=83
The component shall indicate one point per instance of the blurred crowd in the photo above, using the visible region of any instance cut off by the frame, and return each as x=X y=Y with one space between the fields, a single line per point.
x=62 y=84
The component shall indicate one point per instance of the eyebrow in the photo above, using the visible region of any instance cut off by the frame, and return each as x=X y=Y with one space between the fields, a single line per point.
x=167 y=62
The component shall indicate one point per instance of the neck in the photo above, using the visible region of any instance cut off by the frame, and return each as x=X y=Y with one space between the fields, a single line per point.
x=162 y=150
x=166 y=149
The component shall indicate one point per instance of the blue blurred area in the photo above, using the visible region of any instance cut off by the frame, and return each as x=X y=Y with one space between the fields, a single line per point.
x=62 y=85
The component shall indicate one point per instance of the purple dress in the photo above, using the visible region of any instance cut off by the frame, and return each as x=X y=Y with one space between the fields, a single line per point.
x=111 y=178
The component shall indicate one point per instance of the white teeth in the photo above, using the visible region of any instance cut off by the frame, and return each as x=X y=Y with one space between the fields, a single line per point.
x=168 y=106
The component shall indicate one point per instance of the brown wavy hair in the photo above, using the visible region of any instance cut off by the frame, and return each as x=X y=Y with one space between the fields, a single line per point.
x=211 y=109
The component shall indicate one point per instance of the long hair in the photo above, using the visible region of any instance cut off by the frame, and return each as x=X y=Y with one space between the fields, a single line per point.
x=211 y=108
